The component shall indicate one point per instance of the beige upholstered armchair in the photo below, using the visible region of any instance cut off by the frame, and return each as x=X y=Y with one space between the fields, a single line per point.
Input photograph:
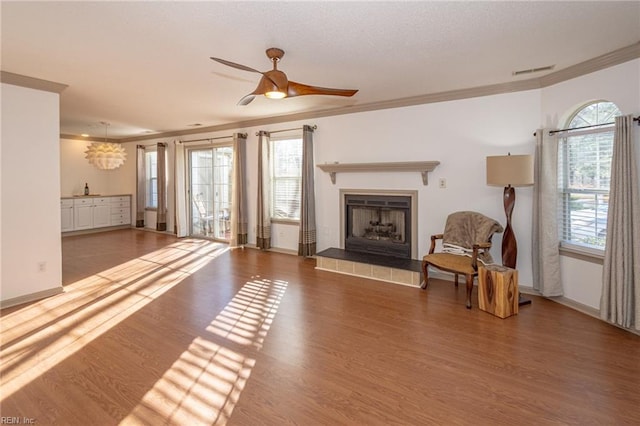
x=465 y=242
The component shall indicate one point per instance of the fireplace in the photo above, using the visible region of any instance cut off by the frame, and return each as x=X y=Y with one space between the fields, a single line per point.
x=378 y=224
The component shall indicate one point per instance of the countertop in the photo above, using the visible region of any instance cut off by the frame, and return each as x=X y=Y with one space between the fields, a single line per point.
x=72 y=197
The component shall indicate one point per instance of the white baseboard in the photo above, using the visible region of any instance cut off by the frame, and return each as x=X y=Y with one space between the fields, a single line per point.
x=27 y=298
x=587 y=310
x=274 y=249
x=95 y=230
x=576 y=306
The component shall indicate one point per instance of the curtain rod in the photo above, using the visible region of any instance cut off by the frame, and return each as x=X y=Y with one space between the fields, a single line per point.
x=314 y=127
x=207 y=139
x=551 y=132
x=212 y=139
x=166 y=144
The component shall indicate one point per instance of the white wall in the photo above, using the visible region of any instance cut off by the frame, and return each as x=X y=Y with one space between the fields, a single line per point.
x=76 y=171
x=459 y=134
x=582 y=280
x=30 y=193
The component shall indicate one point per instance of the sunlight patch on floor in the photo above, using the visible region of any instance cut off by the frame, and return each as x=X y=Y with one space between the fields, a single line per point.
x=43 y=334
x=205 y=383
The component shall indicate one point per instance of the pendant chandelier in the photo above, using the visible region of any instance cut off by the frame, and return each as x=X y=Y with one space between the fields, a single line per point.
x=106 y=155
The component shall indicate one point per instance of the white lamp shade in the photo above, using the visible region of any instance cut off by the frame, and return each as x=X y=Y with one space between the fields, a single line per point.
x=106 y=156
x=514 y=170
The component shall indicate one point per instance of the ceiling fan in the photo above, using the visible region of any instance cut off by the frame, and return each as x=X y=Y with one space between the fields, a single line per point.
x=274 y=84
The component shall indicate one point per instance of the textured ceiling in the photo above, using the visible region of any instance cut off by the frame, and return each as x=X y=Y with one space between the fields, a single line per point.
x=145 y=67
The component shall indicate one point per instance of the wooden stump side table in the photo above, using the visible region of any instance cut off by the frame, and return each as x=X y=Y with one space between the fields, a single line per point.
x=498 y=290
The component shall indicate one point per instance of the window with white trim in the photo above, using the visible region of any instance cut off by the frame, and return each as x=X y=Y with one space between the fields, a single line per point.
x=584 y=175
x=286 y=178
x=151 y=175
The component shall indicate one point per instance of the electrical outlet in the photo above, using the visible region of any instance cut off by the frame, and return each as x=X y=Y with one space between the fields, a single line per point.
x=442 y=183
x=42 y=266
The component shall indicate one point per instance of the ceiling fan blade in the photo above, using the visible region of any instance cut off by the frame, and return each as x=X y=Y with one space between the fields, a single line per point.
x=244 y=68
x=299 y=89
x=234 y=65
x=246 y=100
x=264 y=86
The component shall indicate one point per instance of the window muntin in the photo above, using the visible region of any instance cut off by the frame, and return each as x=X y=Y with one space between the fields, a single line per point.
x=286 y=178
x=584 y=177
x=210 y=175
x=151 y=175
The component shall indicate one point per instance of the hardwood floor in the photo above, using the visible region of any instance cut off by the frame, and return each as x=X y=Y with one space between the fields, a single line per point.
x=155 y=330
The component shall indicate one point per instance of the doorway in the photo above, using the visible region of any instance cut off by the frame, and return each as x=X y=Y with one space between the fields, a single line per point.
x=210 y=175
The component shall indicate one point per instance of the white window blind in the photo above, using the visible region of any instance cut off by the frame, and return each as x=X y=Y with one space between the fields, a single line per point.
x=151 y=162
x=584 y=176
x=585 y=168
x=286 y=178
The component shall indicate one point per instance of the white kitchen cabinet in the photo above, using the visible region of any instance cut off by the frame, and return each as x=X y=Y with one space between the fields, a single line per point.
x=101 y=212
x=66 y=215
x=120 y=210
x=81 y=213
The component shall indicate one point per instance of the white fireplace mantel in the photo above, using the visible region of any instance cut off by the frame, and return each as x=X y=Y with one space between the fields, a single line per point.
x=424 y=167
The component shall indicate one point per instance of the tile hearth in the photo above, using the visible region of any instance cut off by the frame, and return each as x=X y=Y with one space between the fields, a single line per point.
x=381 y=268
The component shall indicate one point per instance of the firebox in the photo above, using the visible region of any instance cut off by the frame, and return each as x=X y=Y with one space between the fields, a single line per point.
x=378 y=224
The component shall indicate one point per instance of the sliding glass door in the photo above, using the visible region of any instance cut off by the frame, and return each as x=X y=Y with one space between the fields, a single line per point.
x=210 y=191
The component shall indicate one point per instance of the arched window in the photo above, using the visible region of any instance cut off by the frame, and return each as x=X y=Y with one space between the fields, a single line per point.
x=584 y=175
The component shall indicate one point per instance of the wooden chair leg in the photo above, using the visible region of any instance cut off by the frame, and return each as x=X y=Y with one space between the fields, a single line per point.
x=425 y=274
x=469 y=290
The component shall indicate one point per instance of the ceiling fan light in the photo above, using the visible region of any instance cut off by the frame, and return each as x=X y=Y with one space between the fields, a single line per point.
x=275 y=95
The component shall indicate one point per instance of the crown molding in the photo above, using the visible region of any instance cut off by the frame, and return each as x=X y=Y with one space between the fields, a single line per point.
x=89 y=138
x=472 y=92
x=607 y=60
x=31 y=82
x=601 y=62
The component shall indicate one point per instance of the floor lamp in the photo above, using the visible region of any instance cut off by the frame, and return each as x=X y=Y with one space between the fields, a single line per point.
x=510 y=171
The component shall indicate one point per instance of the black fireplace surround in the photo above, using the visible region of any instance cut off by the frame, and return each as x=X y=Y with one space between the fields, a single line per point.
x=378 y=224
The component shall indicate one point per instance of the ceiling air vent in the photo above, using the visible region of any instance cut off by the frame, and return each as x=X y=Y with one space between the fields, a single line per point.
x=532 y=70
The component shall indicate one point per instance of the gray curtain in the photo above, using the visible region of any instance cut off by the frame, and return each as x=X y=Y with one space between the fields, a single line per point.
x=263 y=228
x=140 y=186
x=239 y=223
x=544 y=240
x=307 y=237
x=161 y=218
x=620 y=300
x=181 y=226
